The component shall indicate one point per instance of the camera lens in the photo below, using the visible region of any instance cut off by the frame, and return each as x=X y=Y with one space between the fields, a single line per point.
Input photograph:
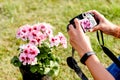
x=83 y=14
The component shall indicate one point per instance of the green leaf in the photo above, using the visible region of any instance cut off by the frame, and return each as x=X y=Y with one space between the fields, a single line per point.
x=42 y=56
x=56 y=70
x=15 y=61
x=55 y=67
x=45 y=48
x=58 y=59
x=33 y=69
x=47 y=62
x=51 y=73
x=51 y=56
x=41 y=71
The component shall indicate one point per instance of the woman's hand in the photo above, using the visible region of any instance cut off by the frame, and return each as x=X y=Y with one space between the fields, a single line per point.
x=104 y=25
x=78 y=39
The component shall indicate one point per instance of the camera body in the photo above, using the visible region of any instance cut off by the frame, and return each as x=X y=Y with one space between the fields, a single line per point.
x=87 y=21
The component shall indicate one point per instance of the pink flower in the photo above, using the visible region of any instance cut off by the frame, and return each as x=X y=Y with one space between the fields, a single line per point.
x=37 y=38
x=26 y=51
x=36 y=27
x=46 y=29
x=32 y=35
x=33 y=42
x=23 y=32
x=41 y=36
x=33 y=50
x=24 y=59
x=43 y=27
x=28 y=54
x=54 y=41
x=58 y=39
x=63 y=40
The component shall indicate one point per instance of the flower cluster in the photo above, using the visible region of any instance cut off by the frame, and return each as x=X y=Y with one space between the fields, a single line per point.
x=40 y=32
x=37 y=53
x=28 y=54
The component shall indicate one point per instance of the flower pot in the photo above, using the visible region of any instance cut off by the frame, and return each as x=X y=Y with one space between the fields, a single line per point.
x=28 y=75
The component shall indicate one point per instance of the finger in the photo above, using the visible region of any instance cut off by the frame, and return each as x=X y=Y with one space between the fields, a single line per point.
x=68 y=27
x=94 y=29
x=77 y=24
x=97 y=14
x=71 y=29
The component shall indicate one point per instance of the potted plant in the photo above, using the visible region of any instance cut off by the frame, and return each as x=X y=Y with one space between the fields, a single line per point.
x=36 y=59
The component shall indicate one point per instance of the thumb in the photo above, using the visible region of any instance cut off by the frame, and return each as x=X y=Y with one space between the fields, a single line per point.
x=94 y=29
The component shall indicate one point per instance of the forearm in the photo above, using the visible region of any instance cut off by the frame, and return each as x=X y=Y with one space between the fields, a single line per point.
x=95 y=67
x=116 y=32
x=97 y=70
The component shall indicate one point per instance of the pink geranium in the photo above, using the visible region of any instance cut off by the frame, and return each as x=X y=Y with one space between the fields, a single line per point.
x=35 y=35
x=23 y=32
x=54 y=41
x=24 y=59
x=58 y=40
x=34 y=41
x=37 y=51
x=62 y=40
x=28 y=53
x=36 y=27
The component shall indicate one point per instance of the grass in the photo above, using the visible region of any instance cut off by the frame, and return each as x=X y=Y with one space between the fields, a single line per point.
x=14 y=13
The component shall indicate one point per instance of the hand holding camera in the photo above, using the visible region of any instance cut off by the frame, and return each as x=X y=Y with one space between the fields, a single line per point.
x=87 y=21
x=84 y=21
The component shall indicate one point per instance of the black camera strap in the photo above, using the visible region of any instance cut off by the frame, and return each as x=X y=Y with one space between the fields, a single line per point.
x=106 y=50
x=73 y=65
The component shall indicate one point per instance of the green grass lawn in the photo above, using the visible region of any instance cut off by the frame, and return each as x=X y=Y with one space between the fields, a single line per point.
x=14 y=13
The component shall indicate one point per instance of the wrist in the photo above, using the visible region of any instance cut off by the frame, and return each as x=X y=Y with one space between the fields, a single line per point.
x=86 y=56
x=81 y=53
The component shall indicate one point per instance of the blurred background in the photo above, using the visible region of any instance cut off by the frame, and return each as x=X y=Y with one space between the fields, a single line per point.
x=14 y=13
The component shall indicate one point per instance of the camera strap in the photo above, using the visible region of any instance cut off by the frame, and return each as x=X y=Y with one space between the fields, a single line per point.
x=106 y=50
x=73 y=65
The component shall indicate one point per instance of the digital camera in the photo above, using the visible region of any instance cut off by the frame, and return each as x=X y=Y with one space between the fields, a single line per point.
x=87 y=21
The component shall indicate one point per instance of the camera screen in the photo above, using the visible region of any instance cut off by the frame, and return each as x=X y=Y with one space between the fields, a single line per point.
x=88 y=21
